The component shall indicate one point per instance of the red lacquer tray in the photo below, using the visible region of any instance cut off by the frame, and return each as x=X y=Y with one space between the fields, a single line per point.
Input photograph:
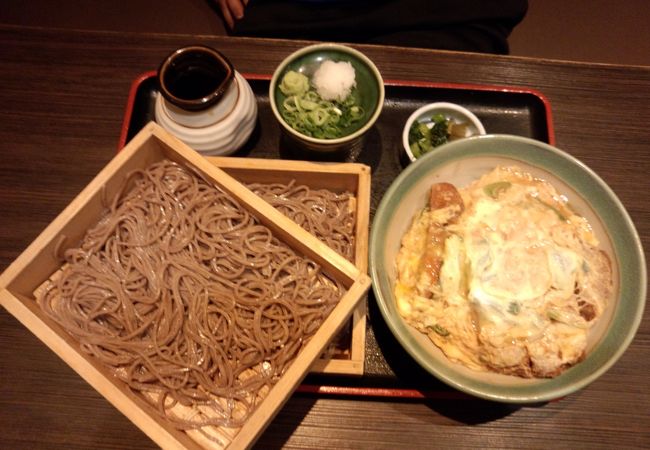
x=388 y=370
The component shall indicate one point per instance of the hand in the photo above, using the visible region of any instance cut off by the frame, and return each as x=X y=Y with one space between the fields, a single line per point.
x=232 y=10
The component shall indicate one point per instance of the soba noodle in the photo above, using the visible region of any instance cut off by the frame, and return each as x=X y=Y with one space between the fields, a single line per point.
x=327 y=215
x=188 y=299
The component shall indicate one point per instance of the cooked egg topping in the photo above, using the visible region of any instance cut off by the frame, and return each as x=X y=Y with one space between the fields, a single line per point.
x=512 y=284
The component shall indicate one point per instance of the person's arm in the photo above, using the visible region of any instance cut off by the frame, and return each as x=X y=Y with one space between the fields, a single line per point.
x=232 y=10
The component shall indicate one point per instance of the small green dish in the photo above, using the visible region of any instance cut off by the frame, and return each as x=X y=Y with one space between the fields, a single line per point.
x=463 y=161
x=369 y=84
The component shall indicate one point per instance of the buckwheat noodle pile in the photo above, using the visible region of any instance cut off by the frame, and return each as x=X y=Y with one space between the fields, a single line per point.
x=327 y=215
x=188 y=299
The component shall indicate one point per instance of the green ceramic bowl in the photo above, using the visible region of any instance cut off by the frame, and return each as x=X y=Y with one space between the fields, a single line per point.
x=369 y=82
x=463 y=161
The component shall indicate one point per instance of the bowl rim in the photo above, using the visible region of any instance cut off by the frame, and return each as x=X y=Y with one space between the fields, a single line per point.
x=433 y=106
x=327 y=46
x=636 y=279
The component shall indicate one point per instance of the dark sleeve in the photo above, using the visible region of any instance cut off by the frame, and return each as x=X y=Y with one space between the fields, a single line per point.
x=465 y=25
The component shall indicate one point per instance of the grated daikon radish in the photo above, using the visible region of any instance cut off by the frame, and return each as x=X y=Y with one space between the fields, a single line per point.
x=334 y=80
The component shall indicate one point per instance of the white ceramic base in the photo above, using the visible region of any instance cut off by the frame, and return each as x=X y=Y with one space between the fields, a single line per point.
x=204 y=118
x=223 y=137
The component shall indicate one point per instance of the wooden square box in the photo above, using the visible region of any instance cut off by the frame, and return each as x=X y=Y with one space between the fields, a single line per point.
x=336 y=177
x=39 y=262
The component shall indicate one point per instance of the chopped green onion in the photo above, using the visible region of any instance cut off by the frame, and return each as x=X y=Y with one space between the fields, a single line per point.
x=514 y=308
x=552 y=208
x=306 y=112
x=495 y=189
x=442 y=331
x=553 y=314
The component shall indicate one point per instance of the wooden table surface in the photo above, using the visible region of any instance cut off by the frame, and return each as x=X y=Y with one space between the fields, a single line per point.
x=62 y=97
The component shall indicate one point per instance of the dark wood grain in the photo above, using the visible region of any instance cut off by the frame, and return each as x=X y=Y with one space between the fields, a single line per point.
x=63 y=95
